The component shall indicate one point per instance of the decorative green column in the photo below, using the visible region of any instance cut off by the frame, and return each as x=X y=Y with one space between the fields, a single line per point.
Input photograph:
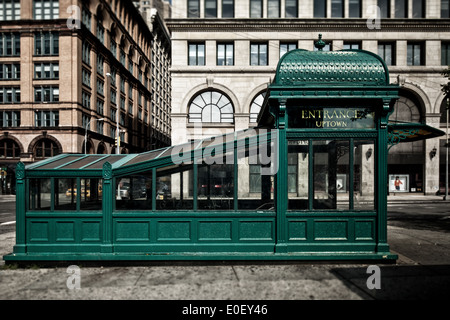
x=281 y=181
x=382 y=245
x=21 y=193
x=107 y=208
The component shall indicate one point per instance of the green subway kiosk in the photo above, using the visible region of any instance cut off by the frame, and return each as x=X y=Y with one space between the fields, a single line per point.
x=308 y=183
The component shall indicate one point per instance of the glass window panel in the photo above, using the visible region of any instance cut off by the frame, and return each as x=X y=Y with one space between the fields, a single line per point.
x=216 y=187
x=330 y=159
x=210 y=8
x=354 y=8
x=418 y=9
x=255 y=187
x=320 y=8
x=174 y=188
x=364 y=175
x=135 y=192
x=40 y=194
x=65 y=194
x=227 y=8
x=255 y=8
x=193 y=9
x=298 y=174
x=401 y=8
x=445 y=9
x=91 y=191
x=337 y=8
x=273 y=8
x=291 y=8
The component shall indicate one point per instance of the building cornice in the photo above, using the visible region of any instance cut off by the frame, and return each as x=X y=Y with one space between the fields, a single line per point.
x=341 y=25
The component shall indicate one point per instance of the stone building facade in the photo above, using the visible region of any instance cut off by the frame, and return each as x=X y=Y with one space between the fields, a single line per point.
x=225 y=54
x=68 y=65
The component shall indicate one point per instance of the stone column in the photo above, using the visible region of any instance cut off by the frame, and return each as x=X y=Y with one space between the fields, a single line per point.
x=431 y=170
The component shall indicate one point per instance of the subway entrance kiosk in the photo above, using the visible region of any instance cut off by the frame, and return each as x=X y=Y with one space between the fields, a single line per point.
x=309 y=183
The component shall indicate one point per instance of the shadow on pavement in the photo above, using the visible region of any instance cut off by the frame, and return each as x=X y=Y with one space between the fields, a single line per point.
x=399 y=282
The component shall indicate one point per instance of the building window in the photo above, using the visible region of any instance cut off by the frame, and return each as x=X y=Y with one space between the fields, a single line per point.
x=86 y=53
x=351 y=45
x=291 y=9
x=9 y=149
x=9 y=44
x=255 y=107
x=100 y=126
x=418 y=9
x=193 y=7
x=354 y=8
x=100 y=32
x=256 y=9
x=445 y=54
x=86 y=18
x=100 y=61
x=415 y=54
x=9 y=95
x=258 y=54
x=100 y=87
x=401 y=9
x=227 y=8
x=211 y=107
x=337 y=8
x=9 y=10
x=286 y=47
x=273 y=8
x=46 y=94
x=45 y=9
x=9 y=71
x=9 y=119
x=196 y=54
x=46 y=70
x=320 y=8
x=86 y=99
x=86 y=77
x=123 y=57
x=100 y=106
x=45 y=148
x=46 y=118
x=445 y=9
x=386 y=50
x=225 y=54
x=46 y=43
x=385 y=8
x=210 y=8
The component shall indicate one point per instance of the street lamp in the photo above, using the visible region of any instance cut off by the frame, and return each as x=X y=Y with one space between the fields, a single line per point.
x=85 y=133
x=117 y=124
x=446 y=152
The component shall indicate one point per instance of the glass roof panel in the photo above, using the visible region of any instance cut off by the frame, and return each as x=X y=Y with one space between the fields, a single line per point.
x=147 y=156
x=82 y=162
x=111 y=159
x=60 y=162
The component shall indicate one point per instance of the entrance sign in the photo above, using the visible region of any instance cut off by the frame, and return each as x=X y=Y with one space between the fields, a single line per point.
x=339 y=118
x=324 y=122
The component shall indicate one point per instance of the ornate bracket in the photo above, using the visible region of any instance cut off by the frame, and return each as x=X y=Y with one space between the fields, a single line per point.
x=395 y=138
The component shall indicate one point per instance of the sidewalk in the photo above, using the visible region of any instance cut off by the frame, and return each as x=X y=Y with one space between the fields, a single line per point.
x=422 y=272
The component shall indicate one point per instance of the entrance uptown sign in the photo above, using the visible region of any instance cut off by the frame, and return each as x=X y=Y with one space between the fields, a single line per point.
x=332 y=118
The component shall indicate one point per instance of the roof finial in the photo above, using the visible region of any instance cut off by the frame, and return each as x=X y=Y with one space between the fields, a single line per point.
x=320 y=43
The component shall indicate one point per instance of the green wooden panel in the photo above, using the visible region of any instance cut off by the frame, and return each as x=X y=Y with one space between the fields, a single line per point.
x=132 y=231
x=65 y=231
x=173 y=231
x=364 y=229
x=297 y=230
x=331 y=230
x=38 y=231
x=90 y=231
x=214 y=230
x=256 y=230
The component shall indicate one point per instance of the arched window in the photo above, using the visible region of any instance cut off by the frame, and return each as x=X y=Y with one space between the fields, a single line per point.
x=443 y=111
x=45 y=148
x=406 y=110
x=211 y=107
x=255 y=107
x=9 y=149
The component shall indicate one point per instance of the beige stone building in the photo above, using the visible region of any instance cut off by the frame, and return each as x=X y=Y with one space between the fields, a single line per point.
x=225 y=53
x=68 y=65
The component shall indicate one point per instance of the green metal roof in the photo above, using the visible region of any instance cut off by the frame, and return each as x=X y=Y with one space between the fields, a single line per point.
x=325 y=68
